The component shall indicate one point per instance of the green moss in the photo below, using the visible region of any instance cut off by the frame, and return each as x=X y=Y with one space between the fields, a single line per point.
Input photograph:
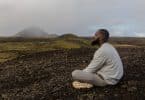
x=65 y=44
x=11 y=49
x=4 y=56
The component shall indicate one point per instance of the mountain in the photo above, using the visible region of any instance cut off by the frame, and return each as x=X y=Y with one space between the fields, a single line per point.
x=69 y=35
x=34 y=32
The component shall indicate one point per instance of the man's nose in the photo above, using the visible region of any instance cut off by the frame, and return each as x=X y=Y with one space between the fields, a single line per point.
x=96 y=33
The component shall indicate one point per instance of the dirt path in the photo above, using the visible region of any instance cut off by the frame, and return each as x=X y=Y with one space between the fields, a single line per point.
x=47 y=76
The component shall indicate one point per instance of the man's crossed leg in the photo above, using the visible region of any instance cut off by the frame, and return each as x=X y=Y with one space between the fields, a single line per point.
x=86 y=79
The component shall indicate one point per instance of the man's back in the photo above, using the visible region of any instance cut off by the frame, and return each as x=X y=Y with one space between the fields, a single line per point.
x=112 y=68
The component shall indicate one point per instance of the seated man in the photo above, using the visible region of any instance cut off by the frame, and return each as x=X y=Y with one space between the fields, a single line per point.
x=106 y=67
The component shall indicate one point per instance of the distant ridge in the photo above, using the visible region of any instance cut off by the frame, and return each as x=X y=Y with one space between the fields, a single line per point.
x=34 y=32
x=68 y=35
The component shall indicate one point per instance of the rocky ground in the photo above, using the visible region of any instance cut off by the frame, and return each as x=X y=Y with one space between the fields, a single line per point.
x=47 y=76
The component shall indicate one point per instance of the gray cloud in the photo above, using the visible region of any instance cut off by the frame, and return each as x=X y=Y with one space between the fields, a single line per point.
x=122 y=18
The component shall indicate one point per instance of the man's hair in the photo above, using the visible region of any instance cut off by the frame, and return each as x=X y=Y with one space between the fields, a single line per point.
x=106 y=34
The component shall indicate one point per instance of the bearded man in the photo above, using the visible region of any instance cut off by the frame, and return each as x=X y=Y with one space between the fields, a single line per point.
x=105 y=68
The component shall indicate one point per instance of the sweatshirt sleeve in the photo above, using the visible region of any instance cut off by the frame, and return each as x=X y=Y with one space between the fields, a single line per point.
x=96 y=63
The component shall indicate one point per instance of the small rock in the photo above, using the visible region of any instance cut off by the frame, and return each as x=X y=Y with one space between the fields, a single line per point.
x=132 y=89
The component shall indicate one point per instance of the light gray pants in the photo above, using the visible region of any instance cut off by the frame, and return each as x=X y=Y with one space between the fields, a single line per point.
x=91 y=78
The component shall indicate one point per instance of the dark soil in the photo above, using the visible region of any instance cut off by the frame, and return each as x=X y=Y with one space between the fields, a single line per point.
x=47 y=76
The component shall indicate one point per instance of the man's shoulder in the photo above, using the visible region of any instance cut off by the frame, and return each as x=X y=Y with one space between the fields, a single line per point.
x=105 y=48
x=107 y=44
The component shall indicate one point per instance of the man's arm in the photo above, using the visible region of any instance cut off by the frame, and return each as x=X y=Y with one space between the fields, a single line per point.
x=96 y=63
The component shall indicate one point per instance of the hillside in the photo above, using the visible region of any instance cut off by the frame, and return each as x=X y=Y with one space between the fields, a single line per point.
x=11 y=48
x=69 y=35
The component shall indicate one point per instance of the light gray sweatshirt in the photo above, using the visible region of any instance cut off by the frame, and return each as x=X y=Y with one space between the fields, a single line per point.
x=107 y=63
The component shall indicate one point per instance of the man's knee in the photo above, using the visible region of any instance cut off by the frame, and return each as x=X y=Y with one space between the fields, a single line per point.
x=75 y=73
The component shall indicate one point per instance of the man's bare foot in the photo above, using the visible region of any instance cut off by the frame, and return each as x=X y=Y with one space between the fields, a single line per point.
x=79 y=85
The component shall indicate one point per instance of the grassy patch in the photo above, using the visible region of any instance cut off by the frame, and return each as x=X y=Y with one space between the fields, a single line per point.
x=7 y=46
x=64 y=44
x=4 y=56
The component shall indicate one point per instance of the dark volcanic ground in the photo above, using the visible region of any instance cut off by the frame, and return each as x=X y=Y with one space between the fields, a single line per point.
x=47 y=76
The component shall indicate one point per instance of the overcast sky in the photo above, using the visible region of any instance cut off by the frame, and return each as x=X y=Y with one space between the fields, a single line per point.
x=84 y=17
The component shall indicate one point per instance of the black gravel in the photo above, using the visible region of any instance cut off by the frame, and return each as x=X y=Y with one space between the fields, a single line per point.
x=47 y=76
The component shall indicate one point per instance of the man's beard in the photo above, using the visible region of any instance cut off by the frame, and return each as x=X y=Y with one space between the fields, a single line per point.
x=95 y=42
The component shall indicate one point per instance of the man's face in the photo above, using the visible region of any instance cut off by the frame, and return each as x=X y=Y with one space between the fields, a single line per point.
x=97 y=38
x=98 y=35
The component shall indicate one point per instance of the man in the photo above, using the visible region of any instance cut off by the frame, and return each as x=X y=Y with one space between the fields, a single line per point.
x=106 y=67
